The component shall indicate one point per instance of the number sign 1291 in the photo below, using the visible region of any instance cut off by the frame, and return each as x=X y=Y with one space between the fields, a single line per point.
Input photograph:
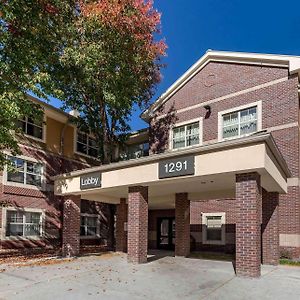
x=177 y=167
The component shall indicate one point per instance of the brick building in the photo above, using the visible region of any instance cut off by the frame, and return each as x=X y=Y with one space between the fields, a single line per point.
x=222 y=172
x=30 y=213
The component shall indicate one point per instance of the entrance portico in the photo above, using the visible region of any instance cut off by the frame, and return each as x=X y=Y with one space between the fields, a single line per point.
x=251 y=170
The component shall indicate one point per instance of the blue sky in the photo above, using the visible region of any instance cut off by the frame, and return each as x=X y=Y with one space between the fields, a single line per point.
x=190 y=27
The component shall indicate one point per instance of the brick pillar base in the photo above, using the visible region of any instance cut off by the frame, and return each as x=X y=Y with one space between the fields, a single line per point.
x=121 y=234
x=248 y=225
x=71 y=226
x=137 y=224
x=182 y=219
x=270 y=228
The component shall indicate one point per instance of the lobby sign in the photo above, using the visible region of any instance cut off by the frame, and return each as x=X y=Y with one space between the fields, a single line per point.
x=175 y=167
x=90 y=181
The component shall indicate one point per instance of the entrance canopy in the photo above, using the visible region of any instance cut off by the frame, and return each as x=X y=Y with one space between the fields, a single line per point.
x=204 y=172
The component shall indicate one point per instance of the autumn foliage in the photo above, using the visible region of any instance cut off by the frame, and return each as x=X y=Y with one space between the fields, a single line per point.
x=135 y=17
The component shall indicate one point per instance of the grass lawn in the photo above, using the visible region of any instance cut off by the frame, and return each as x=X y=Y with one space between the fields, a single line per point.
x=285 y=261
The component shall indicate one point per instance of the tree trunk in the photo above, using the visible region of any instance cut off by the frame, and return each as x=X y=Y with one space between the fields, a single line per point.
x=105 y=145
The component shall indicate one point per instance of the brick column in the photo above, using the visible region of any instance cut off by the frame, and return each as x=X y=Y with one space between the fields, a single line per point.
x=248 y=225
x=71 y=226
x=137 y=224
x=121 y=234
x=182 y=219
x=270 y=228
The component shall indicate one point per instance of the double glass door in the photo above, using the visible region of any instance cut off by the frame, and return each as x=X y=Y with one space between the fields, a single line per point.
x=166 y=233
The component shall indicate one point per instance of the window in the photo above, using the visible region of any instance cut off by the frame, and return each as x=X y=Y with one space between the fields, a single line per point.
x=213 y=228
x=136 y=151
x=87 y=145
x=27 y=172
x=240 y=123
x=186 y=135
x=89 y=226
x=25 y=224
x=31 y=127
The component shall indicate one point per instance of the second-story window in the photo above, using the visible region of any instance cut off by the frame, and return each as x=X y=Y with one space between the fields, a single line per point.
x=26 y=172
x=87 y=145
x=32 y=128
x=239 y=123
x=186 y=135
x=137 y=151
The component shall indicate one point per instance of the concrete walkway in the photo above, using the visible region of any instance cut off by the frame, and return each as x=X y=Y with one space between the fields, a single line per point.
x=108 y=276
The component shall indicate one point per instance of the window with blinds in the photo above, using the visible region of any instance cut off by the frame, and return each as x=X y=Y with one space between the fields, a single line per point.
x=214 y=228
x=23 y=224
x=26 y=172
x=186 y=135
x=239 y=123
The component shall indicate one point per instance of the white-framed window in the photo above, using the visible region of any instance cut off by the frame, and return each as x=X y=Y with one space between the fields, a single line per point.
x=32 y=128
x=240 y=121
x=89 y=226
x=86 y=145
x=23 y=223
x=187 y=134
x=213 y=228
x=26 y=172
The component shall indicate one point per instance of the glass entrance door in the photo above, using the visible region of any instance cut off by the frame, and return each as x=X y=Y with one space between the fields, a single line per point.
x=166 y=233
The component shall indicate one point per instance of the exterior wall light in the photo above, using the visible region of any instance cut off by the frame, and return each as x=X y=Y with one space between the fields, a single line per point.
x=208 y=111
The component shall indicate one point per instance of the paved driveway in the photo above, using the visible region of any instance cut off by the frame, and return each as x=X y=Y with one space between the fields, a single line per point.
x=108 y=276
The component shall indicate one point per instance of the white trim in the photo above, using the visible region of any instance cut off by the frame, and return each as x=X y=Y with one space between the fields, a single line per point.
x=288 y=61
x=34 y=210
x=258 y=104
x=289 y=240
x=204 y=228
x=281 y=127
x=293 y=181
x=97 y=236
x=199 y=120
x=76 y=130
x=27 y=186
x=228 y=96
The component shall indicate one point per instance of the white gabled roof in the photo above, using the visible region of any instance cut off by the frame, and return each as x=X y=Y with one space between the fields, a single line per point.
x=289 y=61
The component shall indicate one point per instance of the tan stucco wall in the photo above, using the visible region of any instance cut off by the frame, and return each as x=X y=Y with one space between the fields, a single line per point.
x=222 y=162
x=53 y=136
x=54 y=129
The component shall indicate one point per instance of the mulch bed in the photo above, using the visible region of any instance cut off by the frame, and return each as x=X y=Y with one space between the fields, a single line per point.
x=9 y=256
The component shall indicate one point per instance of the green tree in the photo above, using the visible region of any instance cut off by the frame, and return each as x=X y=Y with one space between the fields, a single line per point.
x=111 y=63
x=99 y=57
x=31 y=37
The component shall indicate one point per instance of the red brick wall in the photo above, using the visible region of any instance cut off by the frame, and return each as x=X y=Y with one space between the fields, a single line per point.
x=209 y=206
x=279 y=102
x=71 y=226
x=228 y=78
x=137 y=224
x=270 y=228
x=182 y=227
x=280 y=107
x=19 y=197
x=121 y=220
x=248 y=224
